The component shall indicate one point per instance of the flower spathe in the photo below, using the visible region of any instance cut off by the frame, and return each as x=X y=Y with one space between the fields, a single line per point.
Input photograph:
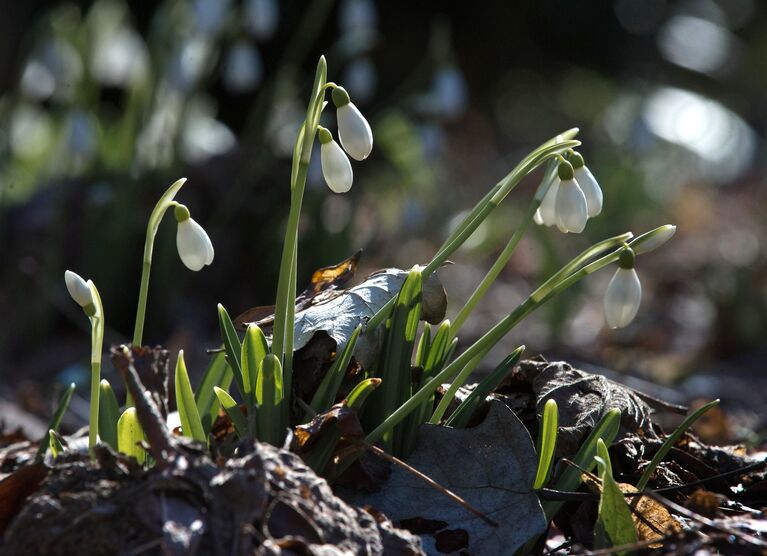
x=353 y=129
x=654 y=239
x=336 y=168
x=623 y=294
x=78 y=288
x=192 y=241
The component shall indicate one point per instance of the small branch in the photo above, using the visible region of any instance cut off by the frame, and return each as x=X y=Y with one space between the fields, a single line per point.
x=453 y=496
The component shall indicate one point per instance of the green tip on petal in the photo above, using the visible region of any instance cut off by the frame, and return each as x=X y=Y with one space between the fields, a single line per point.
x=324 y=135
x=340 y=97
x=576 y=159
x=565 y=171
x=627 y=258
x=181 y=213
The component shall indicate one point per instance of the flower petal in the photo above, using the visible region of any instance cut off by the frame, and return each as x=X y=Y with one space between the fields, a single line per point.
x=194 y=245
x=336 y=167
x=572 y=212
x=78 y=288
x=622 y=298
x=548 y=206
x=354 y=132
x=591 y=190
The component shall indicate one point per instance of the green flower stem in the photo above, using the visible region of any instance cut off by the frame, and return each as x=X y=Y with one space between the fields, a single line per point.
x=458 y=381
x=495 y=270
x=485 y=206
x=283 y=329
x=97 y=343
x=495 y=334
x=151 y=231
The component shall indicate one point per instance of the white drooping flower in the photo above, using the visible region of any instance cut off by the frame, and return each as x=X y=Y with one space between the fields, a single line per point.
x=571 y=209
x=624 y=293
x=653 y=239
x=588 y=184
x=192 y=241
x=353 y=129
x=548 y=209
x=336 y=167
x=79 y=289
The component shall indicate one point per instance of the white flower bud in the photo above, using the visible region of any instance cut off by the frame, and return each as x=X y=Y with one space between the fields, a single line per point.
x=572 y=212
x=336 y=167
x=78 y=289
x=353 y=129
x=591 y=190
x=193 y=244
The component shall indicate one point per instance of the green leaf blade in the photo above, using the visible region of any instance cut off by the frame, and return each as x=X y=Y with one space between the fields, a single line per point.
x=130 y=434
x=269 y=423
x=547 y=442
x=191 y=425
x=232 y=409
x=109 y=414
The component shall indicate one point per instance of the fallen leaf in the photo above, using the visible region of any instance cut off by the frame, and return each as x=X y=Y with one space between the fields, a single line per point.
x=491 y=467
x=16 y=487
x=328 y=278
x=583 y=398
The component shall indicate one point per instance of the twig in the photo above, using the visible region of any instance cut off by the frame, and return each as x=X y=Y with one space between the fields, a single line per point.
x=681 y=510
x=453 y=496
x=623 y=548
x=146 y=410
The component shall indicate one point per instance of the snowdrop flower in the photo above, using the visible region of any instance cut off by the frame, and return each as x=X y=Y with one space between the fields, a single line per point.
x=588 y=185
x=353 y=129
x=80 y=290
x=336 y=167
x=571 y=209
x=192 y=241
x=624 y=292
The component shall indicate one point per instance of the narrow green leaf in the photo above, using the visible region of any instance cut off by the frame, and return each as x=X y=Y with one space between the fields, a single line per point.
x=232 y=346
x=614 y=526
x=434 y=360
x=397 y=353
x=547 y=442
x=462 y=415
x=218 y=373
x=54 y=443
x=424 y=343
x=191 y=425
x=130 y=434
x=109 y=413
x=254 y=349
x=55 y=421
x=232 y=409
x=360 y=393
x=669 y=443
x=269 y=423
x=327 y=391
x=570 y=479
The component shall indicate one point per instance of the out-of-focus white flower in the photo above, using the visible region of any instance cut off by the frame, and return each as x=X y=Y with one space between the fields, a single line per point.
x=571 y=209
x=588 y=185
x=262 y=17
x=548 y=209
x=624 y=293
x=653 y=239
x=79 y=289
x=353 y=129
x=336 y=167
x=192 y=241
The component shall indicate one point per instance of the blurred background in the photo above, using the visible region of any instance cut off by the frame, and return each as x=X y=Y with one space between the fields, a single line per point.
x=103 y=104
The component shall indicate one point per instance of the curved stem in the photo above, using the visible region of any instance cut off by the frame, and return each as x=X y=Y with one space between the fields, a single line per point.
x=151 y=231
x=485 y=206
x=97 y=342
x=283 y=328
